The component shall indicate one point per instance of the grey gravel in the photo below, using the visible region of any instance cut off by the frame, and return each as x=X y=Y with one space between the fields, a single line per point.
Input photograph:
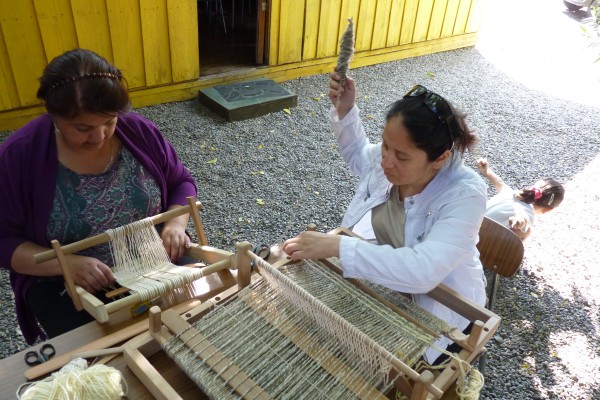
x=531 y=92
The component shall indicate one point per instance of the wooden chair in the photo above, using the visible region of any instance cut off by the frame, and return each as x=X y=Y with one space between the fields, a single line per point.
x=501 y=252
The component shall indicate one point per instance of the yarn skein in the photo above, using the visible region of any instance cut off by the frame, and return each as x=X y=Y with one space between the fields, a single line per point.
x=76 y=381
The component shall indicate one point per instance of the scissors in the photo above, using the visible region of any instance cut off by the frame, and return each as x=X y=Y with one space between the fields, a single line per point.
x=45 y=353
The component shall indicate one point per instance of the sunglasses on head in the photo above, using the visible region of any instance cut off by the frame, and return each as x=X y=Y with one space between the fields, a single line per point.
x=438 y=106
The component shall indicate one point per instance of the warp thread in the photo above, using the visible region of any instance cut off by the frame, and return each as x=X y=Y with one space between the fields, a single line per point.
x=75 y=381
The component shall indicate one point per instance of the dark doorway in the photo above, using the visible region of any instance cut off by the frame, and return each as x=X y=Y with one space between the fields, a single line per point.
x=227 y=31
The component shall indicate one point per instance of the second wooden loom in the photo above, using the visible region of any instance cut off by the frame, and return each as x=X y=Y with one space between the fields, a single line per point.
x=427 y=384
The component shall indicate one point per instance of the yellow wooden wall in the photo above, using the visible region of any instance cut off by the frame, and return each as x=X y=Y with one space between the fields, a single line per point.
x=307 y=29
x=155 y=42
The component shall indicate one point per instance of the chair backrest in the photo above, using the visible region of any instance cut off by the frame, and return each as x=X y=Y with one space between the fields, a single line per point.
x=500 y=249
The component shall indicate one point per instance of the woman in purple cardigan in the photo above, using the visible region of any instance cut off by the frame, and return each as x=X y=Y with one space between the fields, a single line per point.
x=86 y=166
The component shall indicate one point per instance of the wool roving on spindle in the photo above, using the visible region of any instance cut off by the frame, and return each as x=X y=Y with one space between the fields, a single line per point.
x=346 y=52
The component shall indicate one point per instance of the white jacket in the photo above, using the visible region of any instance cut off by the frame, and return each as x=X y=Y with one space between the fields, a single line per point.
x=504 y=205
x=441 y=230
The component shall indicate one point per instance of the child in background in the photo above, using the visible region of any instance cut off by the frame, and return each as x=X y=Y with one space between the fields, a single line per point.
x=516 y=209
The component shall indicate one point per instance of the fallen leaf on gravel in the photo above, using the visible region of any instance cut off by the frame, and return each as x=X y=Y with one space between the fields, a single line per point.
x=260 y=202
x=213 y=161
x=287 y=110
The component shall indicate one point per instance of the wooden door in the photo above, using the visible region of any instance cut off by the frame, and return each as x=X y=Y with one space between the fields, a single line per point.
x=261 y=28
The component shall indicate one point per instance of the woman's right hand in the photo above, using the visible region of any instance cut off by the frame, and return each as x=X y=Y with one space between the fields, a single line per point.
x=90 y=273
x=342 y=97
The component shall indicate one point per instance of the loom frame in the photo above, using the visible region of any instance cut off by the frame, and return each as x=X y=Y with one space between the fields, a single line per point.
x=428 y=384
x=211 y=260
x=485 y=323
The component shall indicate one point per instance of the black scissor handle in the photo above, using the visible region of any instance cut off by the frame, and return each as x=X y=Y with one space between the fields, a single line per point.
x=45 y=353
x=33 y=358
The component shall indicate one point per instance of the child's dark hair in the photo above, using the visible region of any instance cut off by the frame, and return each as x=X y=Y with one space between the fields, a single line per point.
x=427 y=131
x=546 y=193
x=81 y=81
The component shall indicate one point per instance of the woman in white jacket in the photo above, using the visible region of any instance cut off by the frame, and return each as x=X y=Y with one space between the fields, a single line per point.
x=417 y=204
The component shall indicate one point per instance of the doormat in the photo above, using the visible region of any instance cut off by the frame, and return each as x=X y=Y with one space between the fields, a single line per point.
x=243 y=100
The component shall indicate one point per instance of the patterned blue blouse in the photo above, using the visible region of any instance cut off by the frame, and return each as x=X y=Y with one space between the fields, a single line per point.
x=86 y=204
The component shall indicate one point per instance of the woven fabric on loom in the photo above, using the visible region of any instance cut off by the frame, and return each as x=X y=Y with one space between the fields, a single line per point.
x=403 y=302
x=142 y=264
x=294 y=345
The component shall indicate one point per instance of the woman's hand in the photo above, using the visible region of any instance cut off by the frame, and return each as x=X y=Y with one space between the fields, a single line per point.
x=342 y=97
x=313 y=245
x=174 y=237
x=90 y=273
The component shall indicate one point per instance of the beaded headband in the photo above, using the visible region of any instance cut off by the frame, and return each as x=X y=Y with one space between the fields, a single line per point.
x=93 y=75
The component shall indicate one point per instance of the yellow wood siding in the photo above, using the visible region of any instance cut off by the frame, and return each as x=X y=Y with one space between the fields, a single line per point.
x=24 y=45
x=461 y=17
x=91 y=24
x=395 y=25
x=409 y=18
x=349 y=9
x=126 y=35
x=9 y=97
x=364 y=26
x=437 y=19
x=329 y=22
x=423 y=19
x=56 y=26
x=381 y=23
x=291 y=31
x=155 y=42
x=311 y=28
x=155 y=38
x=450 y=18
x=183 y=39
x=475 y=15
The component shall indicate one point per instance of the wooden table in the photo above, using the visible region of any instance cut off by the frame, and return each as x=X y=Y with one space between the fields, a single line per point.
x=14 y=368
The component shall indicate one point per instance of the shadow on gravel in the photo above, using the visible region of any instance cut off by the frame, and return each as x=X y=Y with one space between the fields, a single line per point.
x=548 y=348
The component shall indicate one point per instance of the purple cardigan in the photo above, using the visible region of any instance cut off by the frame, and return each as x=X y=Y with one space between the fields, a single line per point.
x=28 y=171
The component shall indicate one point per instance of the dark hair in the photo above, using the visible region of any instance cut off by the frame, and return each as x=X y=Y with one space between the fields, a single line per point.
x=428 y=132
x=80 y=81
x=549 y=193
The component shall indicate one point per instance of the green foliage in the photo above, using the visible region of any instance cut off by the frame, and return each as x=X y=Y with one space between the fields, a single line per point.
x=592 y=28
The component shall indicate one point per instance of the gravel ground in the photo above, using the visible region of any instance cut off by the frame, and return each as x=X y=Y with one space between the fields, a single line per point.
x=531 y=92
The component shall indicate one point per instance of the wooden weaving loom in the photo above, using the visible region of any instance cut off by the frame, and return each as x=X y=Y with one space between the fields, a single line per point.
x=219 y=261
x=303 y=344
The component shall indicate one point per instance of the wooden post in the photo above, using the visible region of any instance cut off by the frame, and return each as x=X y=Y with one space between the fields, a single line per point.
x=195 y=214
x=69 y=283
x=420 y=391
x=154 y=318
x=243 y=263
x=475 y=334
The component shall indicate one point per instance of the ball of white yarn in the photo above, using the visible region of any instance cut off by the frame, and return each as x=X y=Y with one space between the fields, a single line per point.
x=76 y=381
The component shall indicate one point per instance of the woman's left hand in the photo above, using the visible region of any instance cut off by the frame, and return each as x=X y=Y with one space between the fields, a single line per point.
x=313 y=245
x=174 y=237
